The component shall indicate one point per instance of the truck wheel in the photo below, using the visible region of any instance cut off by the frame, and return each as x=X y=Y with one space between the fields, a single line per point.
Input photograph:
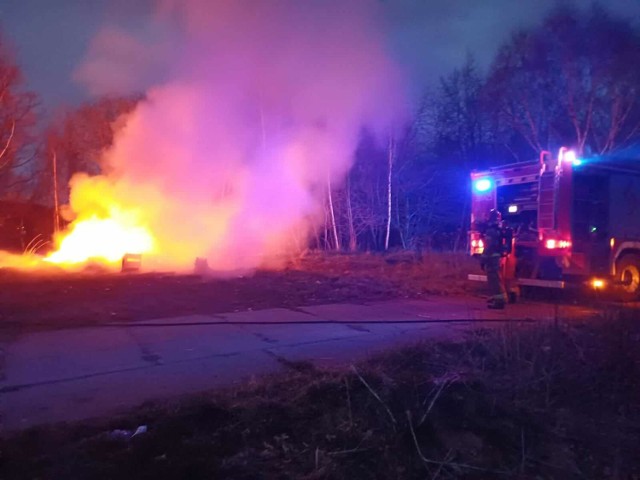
x=628 y=274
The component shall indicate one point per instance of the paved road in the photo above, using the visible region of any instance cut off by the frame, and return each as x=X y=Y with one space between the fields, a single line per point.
x=76 y=374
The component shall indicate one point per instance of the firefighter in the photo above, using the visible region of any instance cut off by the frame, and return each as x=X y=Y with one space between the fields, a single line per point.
x=492 y=257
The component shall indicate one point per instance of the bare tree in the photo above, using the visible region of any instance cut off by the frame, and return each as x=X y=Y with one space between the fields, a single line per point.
x=17 y=120
x=76 y=140
x=368 y=192
x=574 y=80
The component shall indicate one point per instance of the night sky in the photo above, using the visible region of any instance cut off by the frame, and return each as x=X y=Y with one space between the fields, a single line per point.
x=429 y=38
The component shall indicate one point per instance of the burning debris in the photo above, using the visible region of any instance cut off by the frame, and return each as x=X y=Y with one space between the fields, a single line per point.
x=131 y=262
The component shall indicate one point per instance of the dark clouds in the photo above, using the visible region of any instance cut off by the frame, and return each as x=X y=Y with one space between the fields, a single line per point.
x=430 y=37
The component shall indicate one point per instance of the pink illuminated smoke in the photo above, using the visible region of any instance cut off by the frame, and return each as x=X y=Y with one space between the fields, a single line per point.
x=252 y=105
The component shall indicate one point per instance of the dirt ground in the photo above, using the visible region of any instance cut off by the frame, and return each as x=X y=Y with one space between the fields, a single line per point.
x=55 y=300
x=523 y=402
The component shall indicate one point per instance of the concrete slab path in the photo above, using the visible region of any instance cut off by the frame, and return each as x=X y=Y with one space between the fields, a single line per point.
x=76 y=374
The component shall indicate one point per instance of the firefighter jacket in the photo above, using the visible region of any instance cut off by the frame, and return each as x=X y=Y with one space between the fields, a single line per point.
x=493 y=241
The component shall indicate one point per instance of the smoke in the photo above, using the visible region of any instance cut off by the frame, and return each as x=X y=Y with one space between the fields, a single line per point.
x=118 y=62
x=256 y=106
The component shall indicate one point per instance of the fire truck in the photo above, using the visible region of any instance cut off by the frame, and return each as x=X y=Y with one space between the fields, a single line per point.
x=574 y=221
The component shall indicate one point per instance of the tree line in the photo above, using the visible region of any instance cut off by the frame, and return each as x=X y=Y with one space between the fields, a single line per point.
x=573 y=80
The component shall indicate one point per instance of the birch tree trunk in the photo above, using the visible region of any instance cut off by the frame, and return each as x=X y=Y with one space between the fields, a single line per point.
x=334 y=227
x=389 y=198
x=353 y=240
x=325 y=235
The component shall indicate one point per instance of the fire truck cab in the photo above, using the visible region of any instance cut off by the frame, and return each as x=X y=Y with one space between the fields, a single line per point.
x=574 y=221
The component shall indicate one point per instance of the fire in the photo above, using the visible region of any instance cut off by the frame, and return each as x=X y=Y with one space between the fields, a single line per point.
x=231 y=152
x=104 y=230
x=105 y=240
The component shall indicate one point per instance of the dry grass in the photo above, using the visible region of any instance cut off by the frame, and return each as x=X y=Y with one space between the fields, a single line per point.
x=522 y=402
x=414 y=273
x=318 y=278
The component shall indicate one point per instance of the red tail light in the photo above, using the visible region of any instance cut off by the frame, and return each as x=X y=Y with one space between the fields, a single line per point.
x=553 y=244
x=477 y=246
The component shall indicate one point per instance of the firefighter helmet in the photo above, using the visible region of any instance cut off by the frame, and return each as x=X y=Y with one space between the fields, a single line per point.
x=495 y=217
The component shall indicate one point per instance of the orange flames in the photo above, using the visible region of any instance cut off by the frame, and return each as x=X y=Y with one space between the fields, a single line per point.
x=104 y=230
x=103 y=240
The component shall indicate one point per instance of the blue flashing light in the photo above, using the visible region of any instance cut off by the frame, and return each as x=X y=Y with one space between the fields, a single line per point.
x=482 y=185
x=570 y=156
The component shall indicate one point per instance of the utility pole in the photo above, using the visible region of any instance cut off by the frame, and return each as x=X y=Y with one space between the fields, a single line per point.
x=56 y=207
